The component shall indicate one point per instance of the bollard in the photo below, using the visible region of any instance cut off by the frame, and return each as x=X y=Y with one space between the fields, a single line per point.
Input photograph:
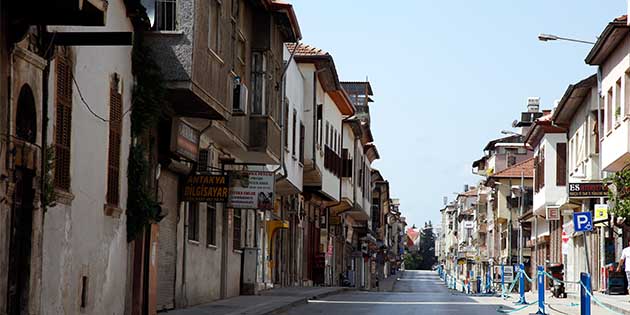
x=541 y=291
x=585 y=298
x=502 y=280
x=478 y=284
x=521 y=284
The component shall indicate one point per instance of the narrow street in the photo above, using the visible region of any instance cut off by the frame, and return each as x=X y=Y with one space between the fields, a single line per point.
x=415 y=292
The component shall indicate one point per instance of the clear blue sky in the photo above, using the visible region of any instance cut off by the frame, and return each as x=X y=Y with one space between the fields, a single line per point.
x=448 y=76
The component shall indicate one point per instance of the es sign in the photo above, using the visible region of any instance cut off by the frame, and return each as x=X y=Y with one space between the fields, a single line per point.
x=587 y=190
x=583 y=221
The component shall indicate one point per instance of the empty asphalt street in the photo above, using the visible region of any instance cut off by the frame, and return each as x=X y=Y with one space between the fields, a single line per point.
x=422 y=292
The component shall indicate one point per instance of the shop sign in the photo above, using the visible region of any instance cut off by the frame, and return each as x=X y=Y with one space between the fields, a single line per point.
x=469 y=224
x=553 y=213
x=587 y=190
x=184 y=140
x=206 y=188
x=601 y=213
x=251 y=190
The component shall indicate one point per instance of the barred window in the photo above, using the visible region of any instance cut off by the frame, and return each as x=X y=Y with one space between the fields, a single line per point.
x=211 y=224
x=236 y=241
x=115 y=134
x=193 y=221
x=63 y=123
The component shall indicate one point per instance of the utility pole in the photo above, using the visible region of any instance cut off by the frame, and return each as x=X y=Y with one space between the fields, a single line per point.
x=520 y=224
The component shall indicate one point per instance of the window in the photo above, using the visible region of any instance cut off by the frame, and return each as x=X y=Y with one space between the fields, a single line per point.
x=293 y=132
x=302 y=135
x=259 y=70
x=63 y=123
x=617 y=100
x=285 y=121
x=211 y=224
x=319 y=123
x=115 y=134
x=626 y=95
x=165 y=14
x=242 y=50
x=609 y=113
x=193 y=221
x=334 y=141
x=561 y=164
x=214 y=26
x=326 y=133
x=236 y=241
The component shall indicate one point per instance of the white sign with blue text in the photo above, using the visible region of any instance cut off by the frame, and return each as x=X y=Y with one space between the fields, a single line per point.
x=583 y=221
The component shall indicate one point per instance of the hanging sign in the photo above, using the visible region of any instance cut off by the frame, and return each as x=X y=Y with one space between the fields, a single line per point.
x=184 y=140
x=565 y=242
x=251 y=190
x=587 y=190
x=205 y=188
x=601 y=213
x=553 y=213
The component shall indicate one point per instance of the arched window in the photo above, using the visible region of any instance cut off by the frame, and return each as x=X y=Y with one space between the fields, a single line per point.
x=26 y=117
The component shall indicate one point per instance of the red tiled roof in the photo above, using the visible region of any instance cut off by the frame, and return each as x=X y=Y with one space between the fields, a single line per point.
x=622 y=18
x=514 y=171
x=470 y=193
x=306 y=50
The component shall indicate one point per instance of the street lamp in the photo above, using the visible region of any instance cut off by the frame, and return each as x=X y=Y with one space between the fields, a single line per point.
x=507 y=132
x=548 y=37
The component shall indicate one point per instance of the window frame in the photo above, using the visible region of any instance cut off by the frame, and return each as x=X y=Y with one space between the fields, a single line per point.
x=211 y=224
x=214 y=26
x=193 y=222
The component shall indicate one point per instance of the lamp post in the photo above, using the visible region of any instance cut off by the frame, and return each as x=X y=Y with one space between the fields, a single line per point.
x=550 y=37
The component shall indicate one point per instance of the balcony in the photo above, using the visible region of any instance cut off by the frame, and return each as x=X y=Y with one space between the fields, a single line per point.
x=264 y=140
x=616 y=146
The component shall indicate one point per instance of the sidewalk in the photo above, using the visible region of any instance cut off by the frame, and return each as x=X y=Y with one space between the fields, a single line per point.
x=387 y=284
x=272 y=301
x=617 y=303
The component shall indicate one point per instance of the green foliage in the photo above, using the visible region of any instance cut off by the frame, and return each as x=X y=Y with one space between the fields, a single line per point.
x=619 y=193
x=148 y=106
x=149 y=93
x=50 y=199
x=413 y=261
x=142 y=208
x=424 y=258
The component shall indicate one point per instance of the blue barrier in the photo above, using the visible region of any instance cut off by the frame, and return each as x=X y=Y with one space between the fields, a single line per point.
x=521 y=285
x=502 y=280
x=585 y=298
x=541 y=291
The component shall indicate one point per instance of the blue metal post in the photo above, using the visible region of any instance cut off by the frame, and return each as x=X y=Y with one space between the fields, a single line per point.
x=502 y=280
x=521 y=284
x=541 y=291
x=585 y=298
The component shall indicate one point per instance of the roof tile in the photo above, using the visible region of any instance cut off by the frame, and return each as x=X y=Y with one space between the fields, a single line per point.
x=514 y=171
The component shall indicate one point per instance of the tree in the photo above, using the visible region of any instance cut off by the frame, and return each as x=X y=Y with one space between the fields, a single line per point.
x=427 y=247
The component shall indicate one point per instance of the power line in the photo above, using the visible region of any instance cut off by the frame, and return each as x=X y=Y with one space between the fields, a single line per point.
x=90 y=108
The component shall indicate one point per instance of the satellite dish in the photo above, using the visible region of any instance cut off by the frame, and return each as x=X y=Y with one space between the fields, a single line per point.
x=514 y=123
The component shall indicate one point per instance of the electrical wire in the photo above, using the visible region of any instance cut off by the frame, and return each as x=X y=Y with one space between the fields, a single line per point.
x=90 y=108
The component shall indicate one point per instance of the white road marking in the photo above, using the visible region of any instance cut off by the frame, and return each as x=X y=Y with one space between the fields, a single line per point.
x=392 y=302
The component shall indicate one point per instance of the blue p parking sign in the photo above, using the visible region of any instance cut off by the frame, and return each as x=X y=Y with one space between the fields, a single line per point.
x=583 y=221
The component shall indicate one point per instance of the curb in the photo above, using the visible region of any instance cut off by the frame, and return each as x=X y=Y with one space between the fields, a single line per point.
x=302 y=301
x=615 y=308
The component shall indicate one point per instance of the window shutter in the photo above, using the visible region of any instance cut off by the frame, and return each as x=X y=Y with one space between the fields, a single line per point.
x=536 y=173
x=202 y=161
x=115 y=133
x=561 y=164
x=542 y=170
x=63 y=123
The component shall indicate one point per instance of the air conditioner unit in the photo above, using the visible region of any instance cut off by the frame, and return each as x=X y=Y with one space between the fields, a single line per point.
x=240 y=98
x=205 y=160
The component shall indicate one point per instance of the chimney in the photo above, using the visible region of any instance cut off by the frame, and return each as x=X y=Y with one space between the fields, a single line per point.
x=466 y=188
x=533 y=104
